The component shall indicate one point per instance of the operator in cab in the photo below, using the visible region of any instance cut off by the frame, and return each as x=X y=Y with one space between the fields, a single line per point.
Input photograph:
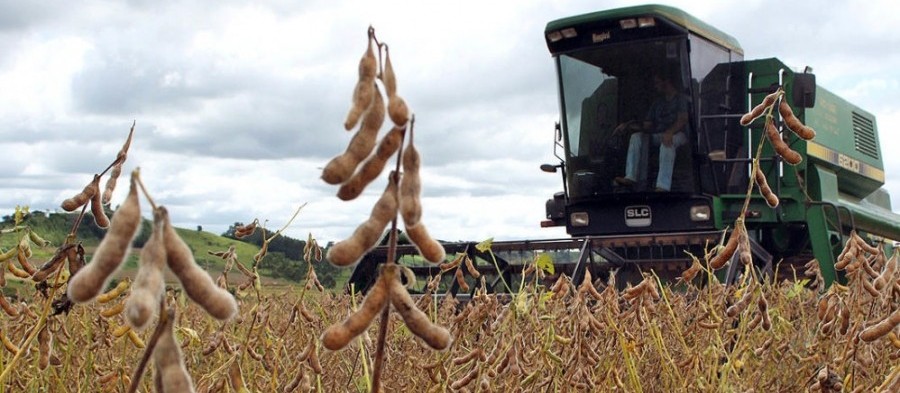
x=665 y=125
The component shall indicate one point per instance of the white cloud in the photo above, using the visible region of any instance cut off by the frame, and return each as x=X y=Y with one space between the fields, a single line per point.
x=239 y=105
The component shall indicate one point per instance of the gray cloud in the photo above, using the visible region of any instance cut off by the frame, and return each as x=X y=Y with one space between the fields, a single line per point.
x=21 y=15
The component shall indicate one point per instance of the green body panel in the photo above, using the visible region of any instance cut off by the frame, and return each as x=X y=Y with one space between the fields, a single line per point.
x=674 y=15
x=846 y=142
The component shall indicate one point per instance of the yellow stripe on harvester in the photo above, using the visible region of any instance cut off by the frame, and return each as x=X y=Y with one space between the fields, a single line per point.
x=823 y=153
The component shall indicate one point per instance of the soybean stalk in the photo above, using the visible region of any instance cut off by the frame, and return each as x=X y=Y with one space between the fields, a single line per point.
x=378 y=367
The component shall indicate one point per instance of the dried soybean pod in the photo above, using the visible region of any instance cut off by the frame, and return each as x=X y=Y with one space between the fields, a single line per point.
x=246 y=230
x=337 y=336
x=25 y=248
x=198 y=285
x=113 y=293
x=460 y=360
x=44 y=346
x=465 y=379
x=692 y=271
x=411 y=185
x=743 y=250
x=21 y=256
x=363 y=93
x=397 y=108
x=368 y=65
x=213 y=343
x=887 y=275
x=113 y=311
x=388 y=77
x=37 y=239
x=844 y=316
x=366 y=236
x=863 y=244
x=470 y=267
x=758 y=110
x=53 y=264
x=730 y=247
x=120 y=331
x=16 y=271
x=313 y=358
x=8 y=308
x=111 y=183
x=793 y=123
x=75 y=256
x=363 y=96
x=10 y=346
x=340 y=168
x=8 y=254
x=117 y=168
x=149 y=285
x=879 y=329
x=82 y=197
x=112 y=250
x=847 y=256
x=169 y=363
x=587 y=286
x=418 y=323
x=741 y=304
x=295 y=382
x=430 y=249
x=136 y=340
x=398 y=111
x=822 y=307
x=97 y=210
x=372 y=166
x=764 y=189
x=763 y=306
x=461 y=281
x=781 y=147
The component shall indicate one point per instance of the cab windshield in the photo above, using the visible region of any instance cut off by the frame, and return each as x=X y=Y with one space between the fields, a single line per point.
x=622 y=100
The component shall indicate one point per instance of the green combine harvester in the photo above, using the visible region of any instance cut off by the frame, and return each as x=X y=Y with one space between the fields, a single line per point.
x=613 y=67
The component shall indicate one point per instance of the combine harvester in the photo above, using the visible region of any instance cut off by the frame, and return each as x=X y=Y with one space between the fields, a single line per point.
x=609 y=66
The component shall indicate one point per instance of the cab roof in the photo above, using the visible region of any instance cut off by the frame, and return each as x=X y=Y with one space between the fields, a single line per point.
x=672 y=14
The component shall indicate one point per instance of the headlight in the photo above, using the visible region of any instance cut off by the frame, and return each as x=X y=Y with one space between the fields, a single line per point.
x=628 y=23
x=554 y=36
x=700 y=213
x=646 y=21
x=579 y=219
x=569 y=33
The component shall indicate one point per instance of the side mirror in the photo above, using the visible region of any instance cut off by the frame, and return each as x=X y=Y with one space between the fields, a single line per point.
x=549 y=168
x=804 y=95
x=558 y=132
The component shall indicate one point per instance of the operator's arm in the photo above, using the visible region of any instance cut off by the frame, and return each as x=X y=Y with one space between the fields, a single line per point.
x=676 y=127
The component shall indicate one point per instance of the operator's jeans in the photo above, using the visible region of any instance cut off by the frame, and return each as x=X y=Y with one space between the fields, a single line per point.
x=666 y=157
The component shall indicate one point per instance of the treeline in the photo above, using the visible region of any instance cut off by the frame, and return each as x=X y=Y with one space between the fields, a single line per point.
x=284 y=258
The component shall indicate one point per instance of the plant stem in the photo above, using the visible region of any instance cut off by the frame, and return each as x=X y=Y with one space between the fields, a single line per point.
x=378 y=367
x=286 y=225
x=164 y=315
x=136 y=173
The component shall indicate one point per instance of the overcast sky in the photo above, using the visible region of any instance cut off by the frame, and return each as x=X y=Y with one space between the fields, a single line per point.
x=239 y=105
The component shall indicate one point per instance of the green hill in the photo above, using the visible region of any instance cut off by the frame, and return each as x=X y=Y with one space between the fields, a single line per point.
x=281 y=265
